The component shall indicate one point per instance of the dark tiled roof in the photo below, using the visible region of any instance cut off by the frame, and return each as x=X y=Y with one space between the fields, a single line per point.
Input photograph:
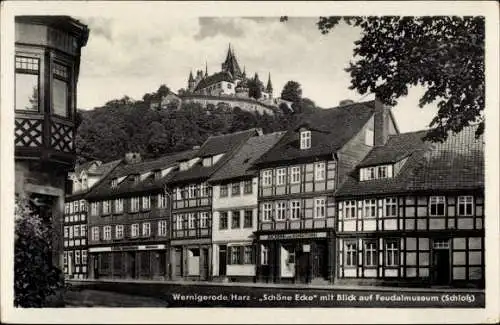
x=240 y=164
x=456 y=164
x=330 y=130
x=128 y=185
x=227 y=143
x=105 y=168
x=85 y=166
x=213 y=79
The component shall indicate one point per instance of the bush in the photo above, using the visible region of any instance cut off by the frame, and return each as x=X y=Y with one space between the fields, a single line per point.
x=35 y=276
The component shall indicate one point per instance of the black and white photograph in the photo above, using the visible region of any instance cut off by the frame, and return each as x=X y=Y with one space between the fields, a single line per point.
x=249 y=162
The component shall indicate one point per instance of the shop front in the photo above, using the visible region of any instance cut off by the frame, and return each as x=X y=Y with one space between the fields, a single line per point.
x=190 y=259
x=296 y=257
x=129 y=262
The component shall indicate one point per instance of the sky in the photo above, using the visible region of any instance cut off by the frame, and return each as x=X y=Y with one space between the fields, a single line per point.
x=130 y=54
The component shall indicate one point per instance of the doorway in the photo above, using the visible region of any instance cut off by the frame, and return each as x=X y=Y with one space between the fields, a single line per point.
x=132 y=267
x=441 y=262
x=320 y=259
x=222 y=260
x=178 y=262
x=204 y=264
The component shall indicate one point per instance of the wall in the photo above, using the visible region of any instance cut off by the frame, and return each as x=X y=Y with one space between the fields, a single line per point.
x=233 y=101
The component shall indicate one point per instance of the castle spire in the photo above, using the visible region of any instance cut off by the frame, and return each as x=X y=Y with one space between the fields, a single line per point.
x=191 y=76
x=231 y=65
x=206 y=69
x=244 y=75
x=269 y=86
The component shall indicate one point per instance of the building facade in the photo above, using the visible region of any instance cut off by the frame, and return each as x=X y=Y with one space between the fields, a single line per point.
x=235 y=210
x=413 y=212
x=75 y=230
x=129 y=220
x=47 y=61
x=191 y=241
x=297 y=181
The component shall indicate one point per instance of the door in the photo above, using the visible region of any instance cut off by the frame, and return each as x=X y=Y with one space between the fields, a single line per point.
x=132 y=265
x=319 y=260
x=303 y=265
x=204 y=264
x=222 y=260
x=178 y=262
x=95 y=262
x=441 y=266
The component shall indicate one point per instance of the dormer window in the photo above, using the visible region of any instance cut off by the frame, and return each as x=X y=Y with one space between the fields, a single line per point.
x=207 y=162
x=137 y=179
x=375 y=172
x=305 y=139
x=157 y=174
x=114 y=183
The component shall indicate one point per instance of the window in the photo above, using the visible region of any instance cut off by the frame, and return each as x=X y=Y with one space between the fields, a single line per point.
x=223 y=220
x=370 y=208
x=280 y=176
x=377 y=172
x=248 y=219
x=119 y=205
x=179 y=222
x=370 y=254
x=162 y=200
x=235 y=219
x=27 y=84
x=77 y=231
x=295 y=209
x=247 y=255
x=437 y=205
x=66 y=208
x=248 y=187
x=320 y=171
x=382 y=172
x=93 y=208
x=146 y=229
x=71 y=232
x=191 y=221
x=107 y=233
x=369 y=138
x=391 y=207
x=223 y=190
x=305 y=139
x=114 y=183
x=465 y=205
x=134 y=204
x=76 y=206
x=157 y=174
x=65 y=258
x=350 y=254
x=203 y=190
x=83 y=230
x=295 y=175
x=350 y=210
x=192 y=191
x=391 y=253
x=119 y=231
x=162 y=228
x=207 y=162
x=82 y=206
x=60 y=90
x=203 y=220
x=264 y=255
x=280 y=211
x=235 y=189
x=235 y=254
x=146 y=202
x=66 y=232
x=106 y=207
x=266 y=212
x=267 y=178
x=134 y=230
x=84 y=257
x=77 y=257
x=95 y=233
x=319 y=208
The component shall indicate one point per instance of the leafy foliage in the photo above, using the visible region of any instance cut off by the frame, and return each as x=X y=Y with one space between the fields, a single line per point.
x=443 y=54
x=292 y=91
x=124 y=125
x=35 y=277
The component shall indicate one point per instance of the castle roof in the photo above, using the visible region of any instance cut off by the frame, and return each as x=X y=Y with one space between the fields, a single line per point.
x=213 y=79
x=231 y=64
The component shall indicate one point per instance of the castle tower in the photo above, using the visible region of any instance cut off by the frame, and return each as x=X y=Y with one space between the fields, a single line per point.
x=206 y=69
x=191 y=82
x=269 y=87
x=231 y=65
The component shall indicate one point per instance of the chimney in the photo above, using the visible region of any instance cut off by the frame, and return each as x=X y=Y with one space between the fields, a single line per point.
x=345 y=102
x=381 y=123
x=132 y=158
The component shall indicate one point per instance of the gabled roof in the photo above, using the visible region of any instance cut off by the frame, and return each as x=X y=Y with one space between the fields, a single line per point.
x=330 y=129
x=456 y=164
x=227 y=143
x=231 y=64
x=128 y=185
x=86 y=166
x=213 y=79
x=241 y=163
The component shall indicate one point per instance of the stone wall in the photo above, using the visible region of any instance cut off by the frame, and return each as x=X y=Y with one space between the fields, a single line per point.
x=246 y=104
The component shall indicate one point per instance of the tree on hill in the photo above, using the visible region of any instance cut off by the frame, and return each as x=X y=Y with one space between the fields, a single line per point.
x=292 y=91
x=444 y=54
x=255 y=88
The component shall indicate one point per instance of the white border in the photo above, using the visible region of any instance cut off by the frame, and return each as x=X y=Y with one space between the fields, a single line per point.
x=489 y=9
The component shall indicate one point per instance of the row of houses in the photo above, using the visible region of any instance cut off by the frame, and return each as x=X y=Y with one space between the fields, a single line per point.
x=342 y=196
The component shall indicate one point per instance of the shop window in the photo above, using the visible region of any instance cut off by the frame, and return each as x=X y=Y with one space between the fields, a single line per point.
x=235 y=254
x=247 y=255
x=60 y=90
x=27 y=84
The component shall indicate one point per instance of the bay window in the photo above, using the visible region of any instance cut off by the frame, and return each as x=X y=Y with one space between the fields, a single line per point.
x=60 y=90
x=27 y=84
